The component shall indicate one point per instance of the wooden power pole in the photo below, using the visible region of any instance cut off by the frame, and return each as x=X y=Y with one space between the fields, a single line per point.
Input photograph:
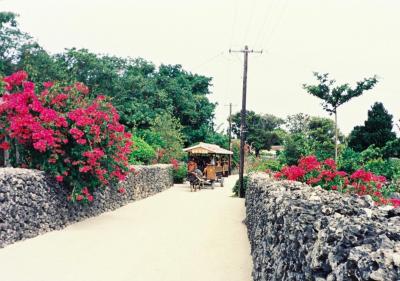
x=230 y=138
x=246 y=52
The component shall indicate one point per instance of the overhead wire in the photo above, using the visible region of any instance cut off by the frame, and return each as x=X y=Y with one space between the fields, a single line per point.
x=265 y=19
x=207 y=61
x=277 y=24
x=250 y=22
x=234 y=22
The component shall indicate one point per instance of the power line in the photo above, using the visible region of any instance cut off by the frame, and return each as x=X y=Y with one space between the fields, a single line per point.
x=208 y=60
x=234 y=22
x=277 y=23
x=266 y=18
x=250 y=21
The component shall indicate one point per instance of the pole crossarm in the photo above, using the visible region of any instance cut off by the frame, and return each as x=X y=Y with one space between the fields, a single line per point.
x=246 y=51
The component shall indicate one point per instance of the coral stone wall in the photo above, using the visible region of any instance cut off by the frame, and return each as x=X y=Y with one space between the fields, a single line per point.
x=32 y=203
x=302 y=233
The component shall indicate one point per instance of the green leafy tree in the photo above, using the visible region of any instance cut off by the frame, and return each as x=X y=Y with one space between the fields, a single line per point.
x=142 y=152
x=392 y=149
x=261 y=130
x=139 y=90
x=165 y=135
x=296 y=146
x=317 y=138
x=377 y=129
x=298 y=123
x=11 y=41
x=334 y=96
x=218 y=138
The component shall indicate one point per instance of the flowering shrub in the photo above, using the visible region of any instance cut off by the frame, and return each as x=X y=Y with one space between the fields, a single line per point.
x=325 y=174
x=61 y=131
x=179 y=172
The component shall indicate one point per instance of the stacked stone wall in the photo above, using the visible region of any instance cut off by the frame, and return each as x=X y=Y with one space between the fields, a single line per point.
x=32 y=203
x=298 y=232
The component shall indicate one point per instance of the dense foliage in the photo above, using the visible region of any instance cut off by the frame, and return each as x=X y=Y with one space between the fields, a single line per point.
x=62 y=131
x=235 y=189
x=165 y=135
x=377 y=130
x=142 y=152
x=370 y=159
x=310 y=135
x=262 y=131
x=179 y=172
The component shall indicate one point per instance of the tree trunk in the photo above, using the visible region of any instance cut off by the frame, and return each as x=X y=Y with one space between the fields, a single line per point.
x=336 y=137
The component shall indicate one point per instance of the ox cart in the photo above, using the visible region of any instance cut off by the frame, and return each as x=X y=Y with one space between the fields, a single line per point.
x=208 y=164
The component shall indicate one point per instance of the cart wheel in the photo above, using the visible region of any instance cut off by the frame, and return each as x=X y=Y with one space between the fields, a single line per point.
x=222 y=182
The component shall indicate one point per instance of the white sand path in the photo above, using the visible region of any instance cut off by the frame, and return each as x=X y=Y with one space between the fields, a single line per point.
x=172 y=236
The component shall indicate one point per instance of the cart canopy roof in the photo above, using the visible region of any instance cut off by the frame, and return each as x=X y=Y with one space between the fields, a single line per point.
x=207 y=148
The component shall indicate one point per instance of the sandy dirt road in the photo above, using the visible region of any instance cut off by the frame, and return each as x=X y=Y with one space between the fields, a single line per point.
x=172 y=236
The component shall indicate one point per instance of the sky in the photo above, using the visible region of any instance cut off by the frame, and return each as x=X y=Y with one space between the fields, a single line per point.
x=350 y=39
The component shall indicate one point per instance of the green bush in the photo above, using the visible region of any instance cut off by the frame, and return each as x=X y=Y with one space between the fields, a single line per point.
x=236 y=186
x=261 y=165
x=350 y=160
x=370 y=159
x=166 y=137
x=142 y=152
x=180 y=173
x=389 y=168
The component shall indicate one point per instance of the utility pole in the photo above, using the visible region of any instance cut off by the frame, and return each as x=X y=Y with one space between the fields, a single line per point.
x=230 y=137
x=246 y=52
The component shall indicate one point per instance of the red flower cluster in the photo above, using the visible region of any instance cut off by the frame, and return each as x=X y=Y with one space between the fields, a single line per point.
x=175 y=163
x=293 y=173
x=326 y=175
x=64 y=132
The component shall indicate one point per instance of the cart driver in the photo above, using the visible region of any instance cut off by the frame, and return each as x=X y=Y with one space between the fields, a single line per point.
x=192 y=165
x=209 y=172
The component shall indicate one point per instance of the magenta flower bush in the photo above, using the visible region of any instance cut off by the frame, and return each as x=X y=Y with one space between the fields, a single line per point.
x=62 y=131
x=325 y=174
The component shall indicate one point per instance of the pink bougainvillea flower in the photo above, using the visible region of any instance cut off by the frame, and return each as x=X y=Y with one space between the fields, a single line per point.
x=59 y=178
x=48 y=84
x=395 y=202
x=309 y=163
x=45 y=121
x=5 y=145
x=330 y=163
x=81 y=141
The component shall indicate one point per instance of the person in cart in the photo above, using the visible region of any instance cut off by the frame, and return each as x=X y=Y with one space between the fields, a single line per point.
x=209 y=172
x=192 y=165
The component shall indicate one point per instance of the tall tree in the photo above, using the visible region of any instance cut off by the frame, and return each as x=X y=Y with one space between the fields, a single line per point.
x=334 y=96
x=377 y=129
x=11 y=41
x=317 y=138
x=261 y=130
x=139 y=90
x=297 y=123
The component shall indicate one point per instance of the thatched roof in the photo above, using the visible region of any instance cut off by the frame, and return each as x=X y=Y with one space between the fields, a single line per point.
x=207 y=148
